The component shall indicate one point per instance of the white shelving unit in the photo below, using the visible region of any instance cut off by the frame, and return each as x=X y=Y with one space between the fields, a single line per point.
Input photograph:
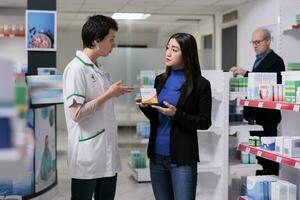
x=289 y=50
x=213 y=143
x=140 y=175
x=289 y=42
x=237 y=127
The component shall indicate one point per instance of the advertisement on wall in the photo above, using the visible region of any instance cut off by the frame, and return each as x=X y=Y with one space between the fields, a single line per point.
x=40 y=30
x=45 y=154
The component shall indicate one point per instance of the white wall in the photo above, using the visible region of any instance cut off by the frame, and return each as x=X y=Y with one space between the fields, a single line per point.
x=254 y=14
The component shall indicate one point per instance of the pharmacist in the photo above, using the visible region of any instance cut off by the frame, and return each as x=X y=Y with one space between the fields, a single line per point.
x=266 y=61
x=93 y=157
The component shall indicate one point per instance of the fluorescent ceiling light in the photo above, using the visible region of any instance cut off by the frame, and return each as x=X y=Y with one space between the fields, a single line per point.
x=132 y=16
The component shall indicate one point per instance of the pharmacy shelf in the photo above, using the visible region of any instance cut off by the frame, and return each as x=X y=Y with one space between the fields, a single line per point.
x=140 y=175
x=270 y=105
x=235 y=127
x=207 y=167
x=144 y=140
x=291 y=31
x=237 y=95
x=270 y=155
x=243 y=198
x=235 y=167
x=216 y=130
x=10 y=163
x=217 y=95
x=12 y=35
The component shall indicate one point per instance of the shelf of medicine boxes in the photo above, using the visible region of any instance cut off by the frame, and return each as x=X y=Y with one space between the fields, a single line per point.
x=270 y=155
x=243 y=198
x=207 y=167
x=140 y=174
x=270 y=105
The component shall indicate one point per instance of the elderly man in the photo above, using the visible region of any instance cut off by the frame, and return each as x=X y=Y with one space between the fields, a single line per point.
x=266 y=61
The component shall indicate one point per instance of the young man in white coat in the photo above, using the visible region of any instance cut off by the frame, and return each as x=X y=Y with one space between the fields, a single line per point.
x=93 y=157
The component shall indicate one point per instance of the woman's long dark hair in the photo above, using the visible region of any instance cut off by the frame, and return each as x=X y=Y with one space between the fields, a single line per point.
x=191 y=64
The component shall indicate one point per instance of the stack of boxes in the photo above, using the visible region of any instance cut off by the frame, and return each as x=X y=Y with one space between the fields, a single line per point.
x=260 y=86
x=238 y=84
x=297 y=26
x=268 y=188
x=290 y=90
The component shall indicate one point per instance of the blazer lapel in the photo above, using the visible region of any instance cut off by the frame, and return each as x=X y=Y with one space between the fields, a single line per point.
x=264 y=63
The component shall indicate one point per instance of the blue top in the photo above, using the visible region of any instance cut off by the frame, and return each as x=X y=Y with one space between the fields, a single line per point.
x=170 y=93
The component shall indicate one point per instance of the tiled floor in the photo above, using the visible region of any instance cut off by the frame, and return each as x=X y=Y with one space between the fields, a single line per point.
x=127 y=188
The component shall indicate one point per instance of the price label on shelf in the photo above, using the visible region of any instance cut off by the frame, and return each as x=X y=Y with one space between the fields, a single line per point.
x=260 y=104
x=296 y=108
x=246 y=103
x=247 y=150
x=297 y=165
x=278 y=106
x=278 y=159
x=259 y=153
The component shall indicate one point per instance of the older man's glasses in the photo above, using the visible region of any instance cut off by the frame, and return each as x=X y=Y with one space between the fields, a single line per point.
x=256 y=42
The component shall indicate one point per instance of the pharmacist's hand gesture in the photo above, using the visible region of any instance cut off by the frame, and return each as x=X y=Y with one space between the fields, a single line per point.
x=117 y=89
x=170 y=110
x=238 y=71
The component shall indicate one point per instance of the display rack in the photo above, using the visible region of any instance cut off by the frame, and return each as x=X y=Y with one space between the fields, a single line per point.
x=270 y=155
x=240 y=126
x=11 y=35
x=213 y=143
x=140 y=175
x=270 y=105
x=289 y=43
x=236 y=167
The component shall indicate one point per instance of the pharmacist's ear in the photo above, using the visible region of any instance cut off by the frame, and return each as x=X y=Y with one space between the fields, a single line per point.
x=96 y=43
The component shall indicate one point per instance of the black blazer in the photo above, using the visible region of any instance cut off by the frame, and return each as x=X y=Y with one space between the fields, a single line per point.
x=193 y=112
x=271 y=63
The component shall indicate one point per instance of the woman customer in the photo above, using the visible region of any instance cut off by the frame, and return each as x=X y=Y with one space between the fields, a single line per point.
x=184 y=105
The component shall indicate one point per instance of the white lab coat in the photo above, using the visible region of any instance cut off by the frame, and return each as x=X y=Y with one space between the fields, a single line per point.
x=92 y=142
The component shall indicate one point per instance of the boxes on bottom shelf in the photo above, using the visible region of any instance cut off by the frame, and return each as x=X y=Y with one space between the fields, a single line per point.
x=283 y=190
x=268 y=187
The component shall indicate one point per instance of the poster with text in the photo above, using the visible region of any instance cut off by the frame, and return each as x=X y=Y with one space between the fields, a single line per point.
x=45 y=148
x=40 y=30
